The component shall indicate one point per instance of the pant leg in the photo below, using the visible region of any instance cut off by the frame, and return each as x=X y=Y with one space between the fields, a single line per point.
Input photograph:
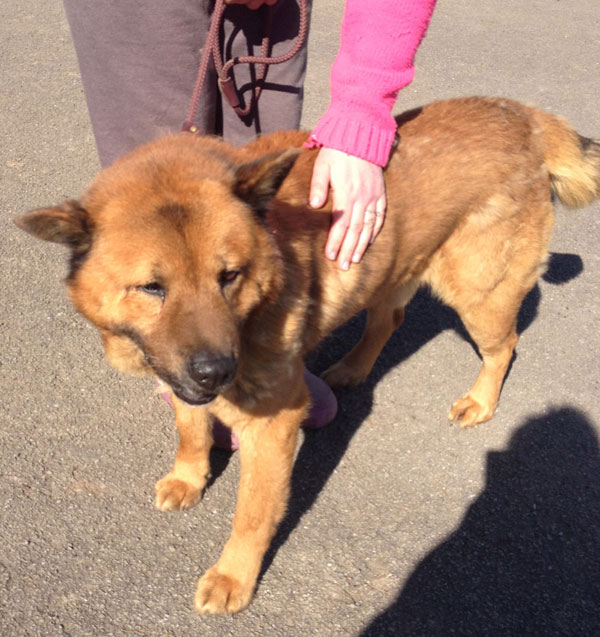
x=139 y=62
x=280 y=103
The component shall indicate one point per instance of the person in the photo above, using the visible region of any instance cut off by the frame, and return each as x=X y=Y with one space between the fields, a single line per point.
x=139 y=60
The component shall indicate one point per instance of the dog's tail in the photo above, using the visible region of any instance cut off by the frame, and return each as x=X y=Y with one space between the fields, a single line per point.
x=572 y=160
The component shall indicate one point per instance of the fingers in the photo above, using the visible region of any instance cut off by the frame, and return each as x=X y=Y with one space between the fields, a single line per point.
x=340 y=226
x=372 y=224
x=352 y=232
x=359 y=203
x=380 y=210
x=319 y=185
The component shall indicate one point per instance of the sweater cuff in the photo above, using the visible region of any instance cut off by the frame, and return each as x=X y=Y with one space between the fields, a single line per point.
x=360 y=139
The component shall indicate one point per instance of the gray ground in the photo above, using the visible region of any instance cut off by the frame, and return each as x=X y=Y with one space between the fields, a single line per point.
x=404 y=526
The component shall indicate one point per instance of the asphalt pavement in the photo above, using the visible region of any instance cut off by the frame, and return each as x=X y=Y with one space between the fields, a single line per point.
x=400 y=523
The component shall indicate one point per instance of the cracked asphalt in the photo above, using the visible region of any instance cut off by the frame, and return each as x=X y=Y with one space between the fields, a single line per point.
x=399 y=523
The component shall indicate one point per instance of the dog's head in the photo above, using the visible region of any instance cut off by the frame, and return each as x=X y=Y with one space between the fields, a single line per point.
x=169 y=256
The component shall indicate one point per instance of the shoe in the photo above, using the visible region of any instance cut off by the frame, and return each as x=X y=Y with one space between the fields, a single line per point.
x=324 y=403
x=322 y=412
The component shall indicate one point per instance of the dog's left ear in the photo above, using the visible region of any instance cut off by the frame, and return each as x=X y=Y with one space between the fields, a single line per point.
x=258 y=181
x=68 y=224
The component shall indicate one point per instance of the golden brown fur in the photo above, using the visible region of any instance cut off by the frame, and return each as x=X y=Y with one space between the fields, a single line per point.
x=202 y=264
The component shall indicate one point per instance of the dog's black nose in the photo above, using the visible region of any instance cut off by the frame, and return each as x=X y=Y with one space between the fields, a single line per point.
x=211 y=372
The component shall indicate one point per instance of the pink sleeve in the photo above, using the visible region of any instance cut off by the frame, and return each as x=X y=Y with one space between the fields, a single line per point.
x=378 y=45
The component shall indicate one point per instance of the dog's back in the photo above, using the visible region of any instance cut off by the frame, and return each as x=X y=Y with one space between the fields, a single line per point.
x=469 y=183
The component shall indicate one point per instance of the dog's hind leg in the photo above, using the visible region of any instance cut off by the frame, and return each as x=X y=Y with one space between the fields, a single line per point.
x=491 y=319
x=382 y=320
x=183 y=486
x=496 y=345
x=484 y=272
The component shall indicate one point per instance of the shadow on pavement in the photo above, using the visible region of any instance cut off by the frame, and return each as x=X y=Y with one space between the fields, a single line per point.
x=525 y=560
x=562 y=268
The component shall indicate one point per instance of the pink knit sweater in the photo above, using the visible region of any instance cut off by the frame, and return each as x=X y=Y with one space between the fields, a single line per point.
x=378 y=44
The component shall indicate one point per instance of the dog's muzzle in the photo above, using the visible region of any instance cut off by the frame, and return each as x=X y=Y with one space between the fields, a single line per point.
x=209 y=374
x=206 y=376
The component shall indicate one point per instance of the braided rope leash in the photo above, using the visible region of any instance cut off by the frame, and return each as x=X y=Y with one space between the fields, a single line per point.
x=224 y=76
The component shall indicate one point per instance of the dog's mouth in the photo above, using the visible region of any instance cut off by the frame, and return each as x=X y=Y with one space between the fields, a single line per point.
x=191 y=399
x=196 y=401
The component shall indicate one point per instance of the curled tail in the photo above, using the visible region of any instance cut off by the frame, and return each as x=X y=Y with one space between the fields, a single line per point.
x=572 y=160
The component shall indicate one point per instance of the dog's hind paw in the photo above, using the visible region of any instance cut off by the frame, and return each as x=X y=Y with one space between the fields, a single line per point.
x=468 y=412
x=341 y=375
x=173 y=494
x=218 y=594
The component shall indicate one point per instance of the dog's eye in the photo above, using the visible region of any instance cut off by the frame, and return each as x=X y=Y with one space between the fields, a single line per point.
x=154 y=289
x=228 y=276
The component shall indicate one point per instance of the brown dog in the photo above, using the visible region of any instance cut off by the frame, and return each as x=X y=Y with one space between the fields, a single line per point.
x=203 y=265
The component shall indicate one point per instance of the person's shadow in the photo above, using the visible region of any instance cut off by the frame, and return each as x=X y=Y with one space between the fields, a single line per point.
x=526 y=558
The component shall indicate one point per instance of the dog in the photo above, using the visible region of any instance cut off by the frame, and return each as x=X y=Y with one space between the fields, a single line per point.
x=203 y=265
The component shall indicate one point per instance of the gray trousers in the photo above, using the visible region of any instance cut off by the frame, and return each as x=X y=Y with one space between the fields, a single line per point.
x=139 y=60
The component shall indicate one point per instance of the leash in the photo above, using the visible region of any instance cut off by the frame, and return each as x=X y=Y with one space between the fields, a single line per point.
x=224 y=76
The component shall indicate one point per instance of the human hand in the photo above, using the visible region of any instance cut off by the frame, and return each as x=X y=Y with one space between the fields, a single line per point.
x=359 y=203
x=251 y=4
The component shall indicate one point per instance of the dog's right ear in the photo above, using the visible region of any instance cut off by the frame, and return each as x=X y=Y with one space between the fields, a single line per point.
x=69 y=224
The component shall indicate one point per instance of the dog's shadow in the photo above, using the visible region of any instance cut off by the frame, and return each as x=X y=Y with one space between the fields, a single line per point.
x=322 y=450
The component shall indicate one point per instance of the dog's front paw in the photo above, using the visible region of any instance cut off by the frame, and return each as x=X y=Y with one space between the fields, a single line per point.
x=175 y=494
x=218 y=593
x=340 y=375
x=468 y=412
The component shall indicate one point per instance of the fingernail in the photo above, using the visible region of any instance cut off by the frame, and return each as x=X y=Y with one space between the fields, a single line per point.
x=315 y=201
x=332 y=254
x=346 y=265
x=356 y=258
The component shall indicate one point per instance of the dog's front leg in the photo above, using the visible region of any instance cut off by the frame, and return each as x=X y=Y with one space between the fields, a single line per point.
x=183 y=486
x=267 y=448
